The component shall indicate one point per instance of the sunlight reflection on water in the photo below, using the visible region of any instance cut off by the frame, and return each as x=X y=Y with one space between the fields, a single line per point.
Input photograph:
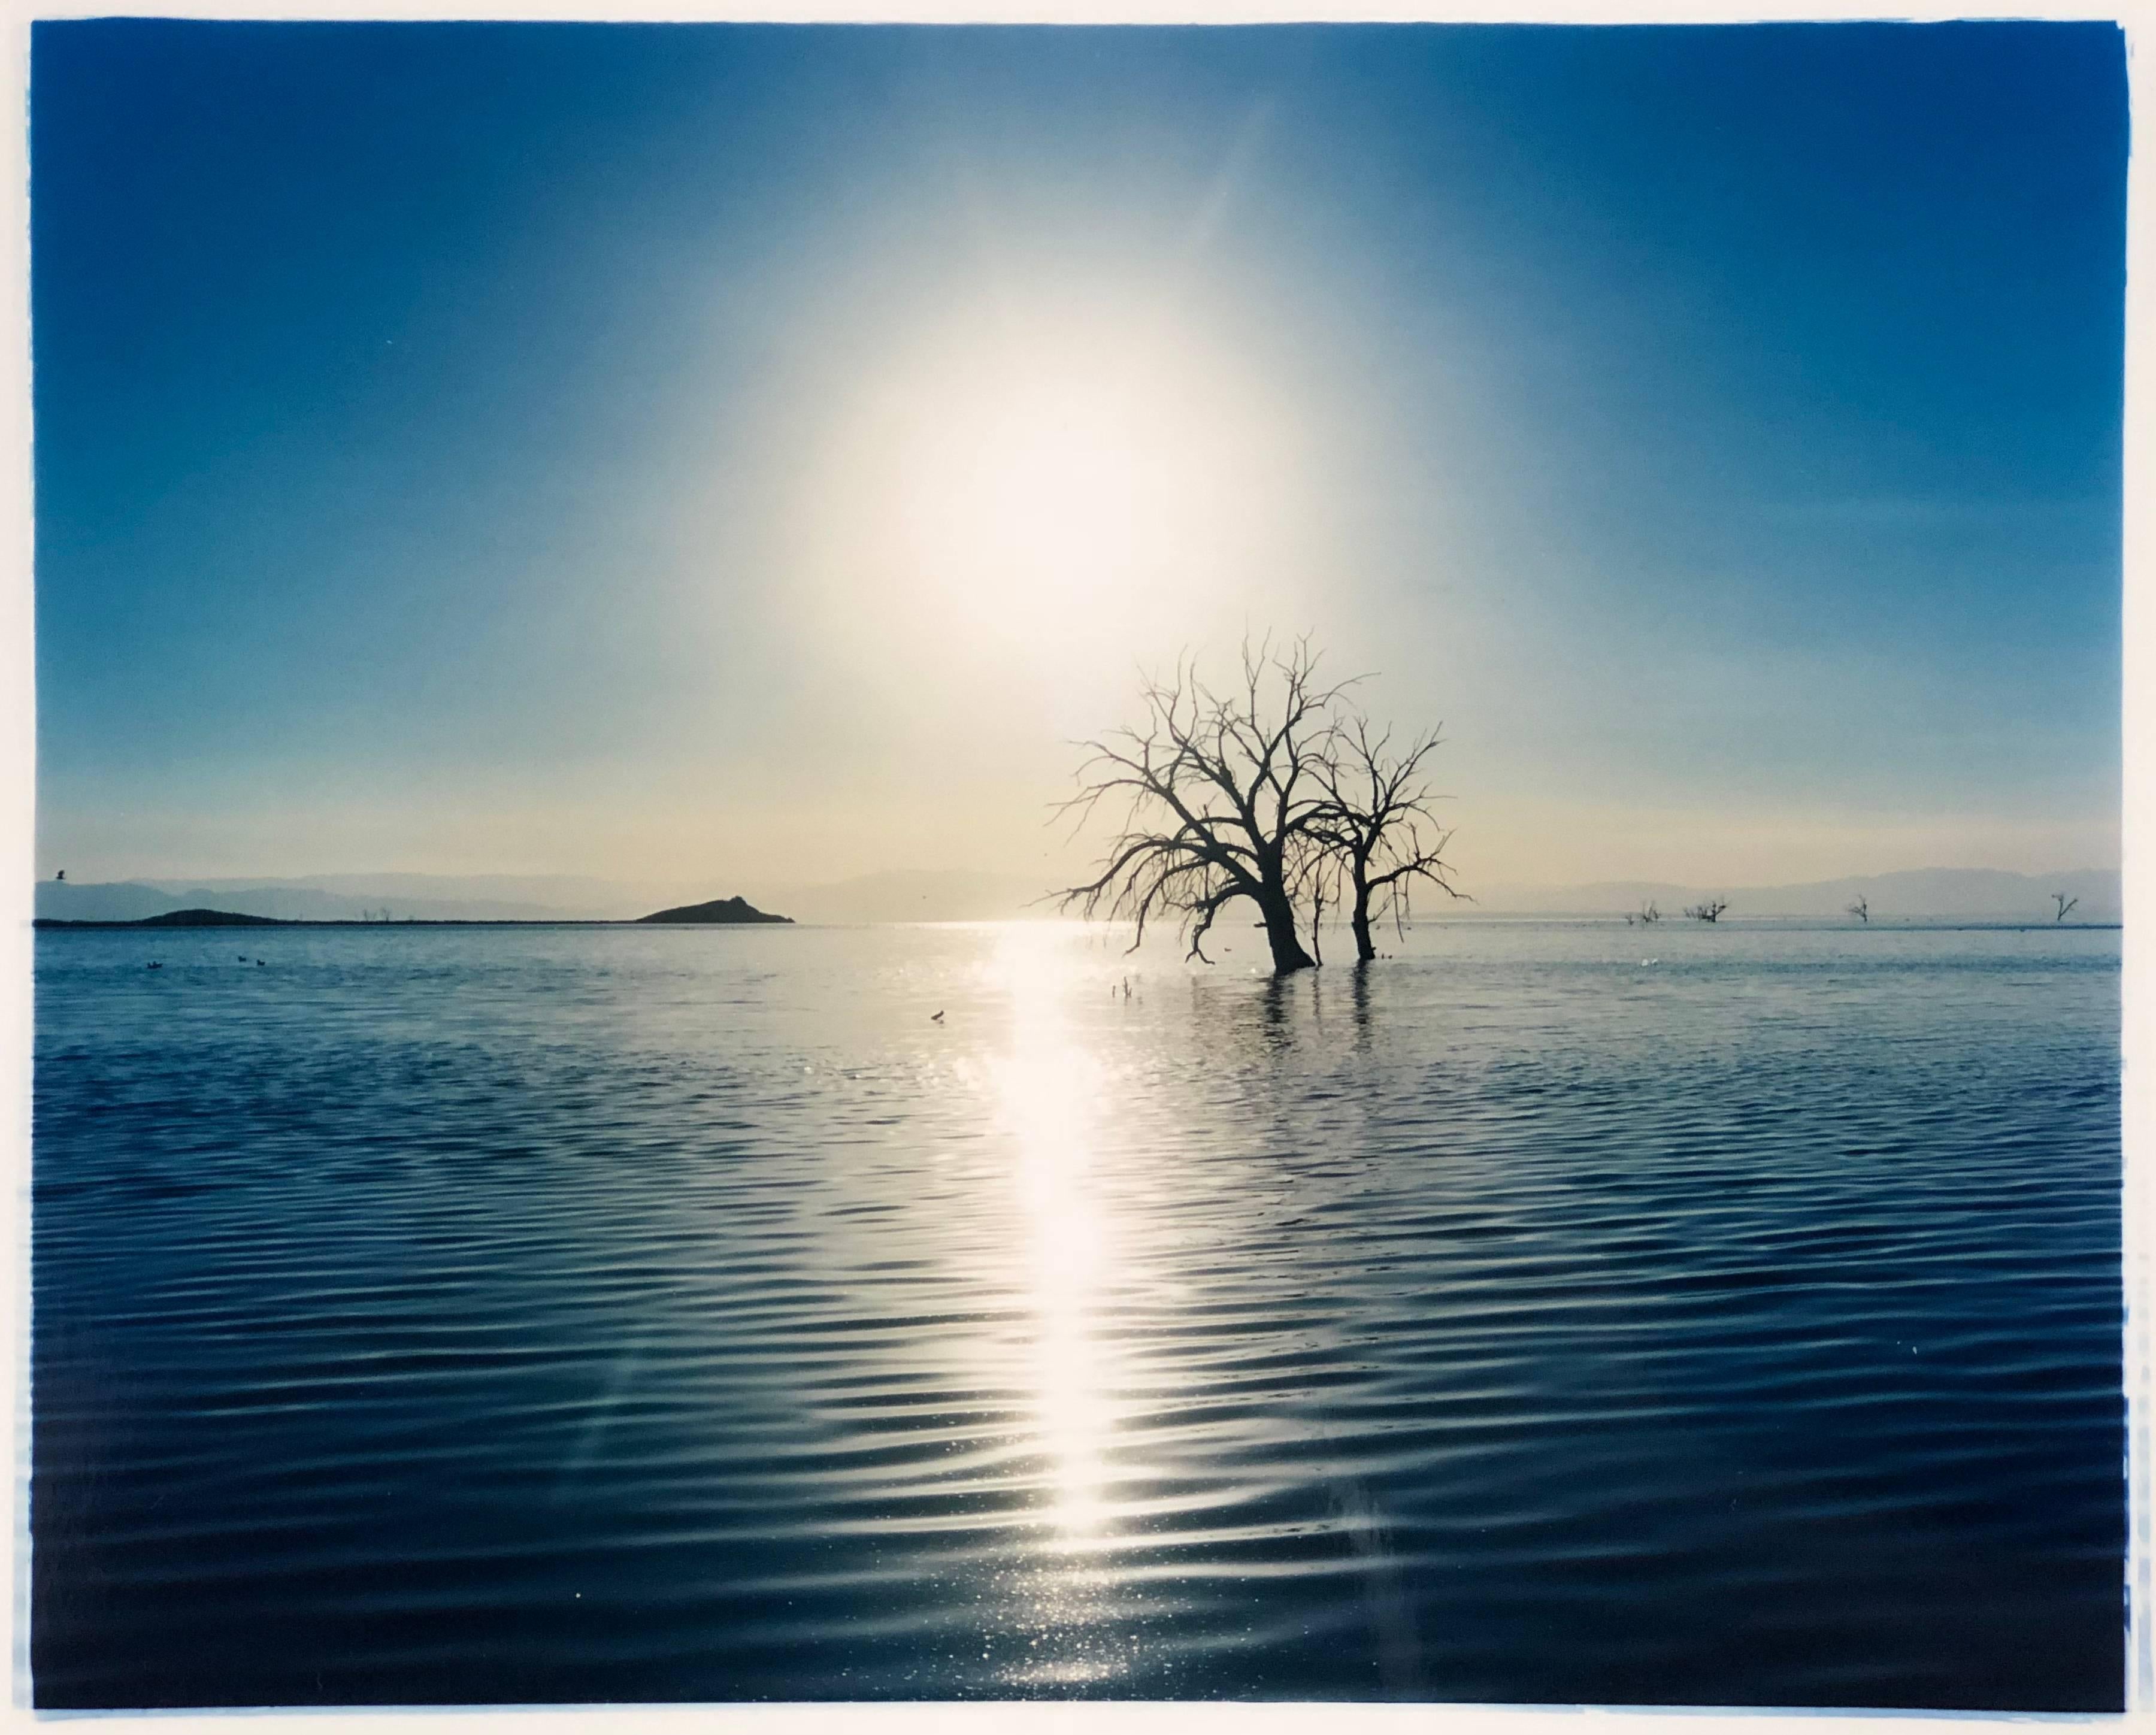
x=1049 y=1092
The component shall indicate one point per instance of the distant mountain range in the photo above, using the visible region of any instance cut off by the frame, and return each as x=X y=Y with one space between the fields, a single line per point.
x=912 y=894
x=927 y=895
x=1976 y=893
x=419 y=896
x=900 y=895
x=718 y=911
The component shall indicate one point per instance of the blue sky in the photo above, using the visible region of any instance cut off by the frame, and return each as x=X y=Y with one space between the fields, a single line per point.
x=589 y=448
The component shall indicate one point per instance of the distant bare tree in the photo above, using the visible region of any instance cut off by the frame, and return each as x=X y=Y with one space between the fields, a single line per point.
x=1862 y=910
x=1219 y=798
x=2065 y=904
x=1377 y=825
x=1710 y=910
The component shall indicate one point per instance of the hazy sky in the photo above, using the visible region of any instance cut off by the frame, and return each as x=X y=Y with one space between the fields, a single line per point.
x=688 y=451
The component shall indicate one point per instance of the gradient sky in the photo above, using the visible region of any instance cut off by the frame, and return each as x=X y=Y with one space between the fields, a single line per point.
x=672 y=451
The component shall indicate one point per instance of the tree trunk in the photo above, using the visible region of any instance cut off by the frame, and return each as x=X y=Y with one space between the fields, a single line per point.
x=1365 y=948
x=1279 y=929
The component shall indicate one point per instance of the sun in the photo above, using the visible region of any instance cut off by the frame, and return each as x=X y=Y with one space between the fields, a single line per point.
x=1039 y=493
x=1047 y=492
x=1068 y=476
x=1022 y=476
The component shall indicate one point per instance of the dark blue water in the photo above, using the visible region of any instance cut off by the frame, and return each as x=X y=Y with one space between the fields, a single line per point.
x=556 y=1315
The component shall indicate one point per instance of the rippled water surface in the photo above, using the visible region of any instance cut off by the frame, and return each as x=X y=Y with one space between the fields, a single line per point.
x=567 y=1314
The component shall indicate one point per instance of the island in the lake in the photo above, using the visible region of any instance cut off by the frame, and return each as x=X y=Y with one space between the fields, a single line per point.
x=718 y=910
x=723 y=909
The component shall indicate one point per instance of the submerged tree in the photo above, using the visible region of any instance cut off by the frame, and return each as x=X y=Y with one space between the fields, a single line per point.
x=1376 y=823
x=1218 y=800
x=1710 y=910
x=1276 y=792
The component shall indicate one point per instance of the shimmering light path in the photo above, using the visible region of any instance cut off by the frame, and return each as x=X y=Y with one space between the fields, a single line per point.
x=560 y=1315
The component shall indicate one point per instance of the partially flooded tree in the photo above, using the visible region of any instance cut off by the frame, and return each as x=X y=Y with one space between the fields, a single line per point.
x=1862 y=910
x=1710 y=910
x=1647 y=915
x=1314 y=881
x=1217 y=799
x=1376 y=823
x=2065 y=904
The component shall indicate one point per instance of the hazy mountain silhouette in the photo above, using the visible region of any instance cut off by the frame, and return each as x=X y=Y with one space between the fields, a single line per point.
x=1975 y=893
x=299 y=901
x=931 y=895
x=915 y=894
x=902 y=894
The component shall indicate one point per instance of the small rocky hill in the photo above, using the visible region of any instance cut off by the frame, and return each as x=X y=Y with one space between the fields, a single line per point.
x=725 y=909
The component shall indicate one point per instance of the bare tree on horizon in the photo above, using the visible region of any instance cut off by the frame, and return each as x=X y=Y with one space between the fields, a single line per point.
x=1373 y=822
x=1278 y=792
x=2065 y=904
x=1710 y=910
x=1220 y=801
x=1862 y=910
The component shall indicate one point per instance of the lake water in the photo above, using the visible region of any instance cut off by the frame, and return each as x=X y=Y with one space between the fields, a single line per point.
x=453 y=1316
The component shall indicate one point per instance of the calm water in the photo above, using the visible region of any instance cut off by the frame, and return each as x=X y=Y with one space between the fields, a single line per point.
x=547 y=1314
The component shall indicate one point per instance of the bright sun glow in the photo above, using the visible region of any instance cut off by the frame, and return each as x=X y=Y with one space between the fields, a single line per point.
x=1063 y=489
x=1033 y=487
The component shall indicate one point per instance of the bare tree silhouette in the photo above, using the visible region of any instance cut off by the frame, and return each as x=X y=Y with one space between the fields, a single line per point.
x=1218 y=801
x=1862 y=910
x=1710 y=910
x=2065 y=904
x=1377 y=824
x=1279 y=791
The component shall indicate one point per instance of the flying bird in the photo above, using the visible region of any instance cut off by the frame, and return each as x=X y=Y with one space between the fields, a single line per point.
x=936 y=1017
